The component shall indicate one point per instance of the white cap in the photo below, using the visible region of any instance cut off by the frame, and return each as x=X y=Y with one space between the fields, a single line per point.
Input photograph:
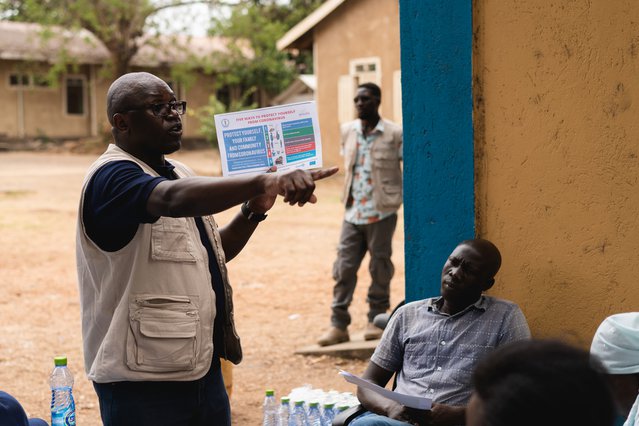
x=616 y=343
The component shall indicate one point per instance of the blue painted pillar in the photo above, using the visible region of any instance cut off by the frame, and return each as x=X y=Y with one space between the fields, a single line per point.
x=436 y=58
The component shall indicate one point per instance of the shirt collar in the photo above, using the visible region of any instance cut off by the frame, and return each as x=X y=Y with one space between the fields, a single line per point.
x=433 y=304
x=165 y=170
x=379 y=128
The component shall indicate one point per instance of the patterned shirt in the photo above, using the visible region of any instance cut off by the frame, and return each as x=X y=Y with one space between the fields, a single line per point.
x=361 y=207
x=434 y=353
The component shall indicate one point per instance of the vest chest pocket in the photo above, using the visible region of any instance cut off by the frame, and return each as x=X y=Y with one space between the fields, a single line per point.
x=171 y=240
x=385 y=157
x=387 y=175
x=163 y=333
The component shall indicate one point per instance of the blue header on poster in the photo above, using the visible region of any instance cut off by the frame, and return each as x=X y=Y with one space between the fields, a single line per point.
x=246 y=148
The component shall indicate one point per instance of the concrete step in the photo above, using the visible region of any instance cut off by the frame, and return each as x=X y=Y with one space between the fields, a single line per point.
x=356 y=348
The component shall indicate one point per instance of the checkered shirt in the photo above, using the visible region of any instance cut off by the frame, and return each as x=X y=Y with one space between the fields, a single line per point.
x=434 y=353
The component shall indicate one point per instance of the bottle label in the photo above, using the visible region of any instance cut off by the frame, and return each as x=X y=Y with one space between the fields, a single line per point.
x=64 y=416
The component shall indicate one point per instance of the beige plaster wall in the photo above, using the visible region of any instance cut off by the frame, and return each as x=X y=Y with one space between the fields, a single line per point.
x=45 y=111
x=9 y=104
x=196 y=96
x=101 y=87
x=557 y=146
x=44 y=108
x=358 y=29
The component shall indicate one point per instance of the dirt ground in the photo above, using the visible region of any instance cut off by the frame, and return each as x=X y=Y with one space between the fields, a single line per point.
x=282 y=283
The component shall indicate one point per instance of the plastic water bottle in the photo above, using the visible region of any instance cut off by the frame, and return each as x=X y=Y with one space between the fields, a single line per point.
x=270 y=409
x=314 y=417
x=284 y=412
x=298 y=416
x=328 y=414
x=62 y=404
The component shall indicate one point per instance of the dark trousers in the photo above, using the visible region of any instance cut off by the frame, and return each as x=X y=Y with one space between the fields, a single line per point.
x=355 y=240
x=202 y=402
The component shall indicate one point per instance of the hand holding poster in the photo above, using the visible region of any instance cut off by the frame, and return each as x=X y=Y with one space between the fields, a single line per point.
x=286 y=136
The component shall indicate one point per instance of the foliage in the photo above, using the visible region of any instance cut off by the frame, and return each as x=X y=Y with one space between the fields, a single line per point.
x=215 y=106
x=262 y=23
x=266 y=70
x=253 y=64
x=122 y=25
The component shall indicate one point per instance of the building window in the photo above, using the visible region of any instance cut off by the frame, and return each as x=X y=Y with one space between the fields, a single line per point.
x=75 y=96
x=366 y=70
x=18 y=80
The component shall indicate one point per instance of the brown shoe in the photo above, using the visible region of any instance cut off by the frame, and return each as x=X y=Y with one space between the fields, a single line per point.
x=333 y=336
x=372 y=332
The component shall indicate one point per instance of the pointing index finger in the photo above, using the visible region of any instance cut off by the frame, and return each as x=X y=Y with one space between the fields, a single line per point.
x=324 y=173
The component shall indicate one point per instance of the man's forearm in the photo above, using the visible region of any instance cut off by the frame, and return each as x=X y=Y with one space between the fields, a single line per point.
x=200 y=196
x=439 y=415
x=377 y=404
x=446 y=415
x=236 y=234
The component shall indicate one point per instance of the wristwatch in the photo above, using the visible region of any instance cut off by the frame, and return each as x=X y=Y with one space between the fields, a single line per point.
x=250 y=215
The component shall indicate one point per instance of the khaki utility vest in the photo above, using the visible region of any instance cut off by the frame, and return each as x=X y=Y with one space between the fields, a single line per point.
x=386 y=170
x=148 y=308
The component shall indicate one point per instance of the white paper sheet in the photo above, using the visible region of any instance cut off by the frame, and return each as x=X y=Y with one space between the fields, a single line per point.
x=407 y=400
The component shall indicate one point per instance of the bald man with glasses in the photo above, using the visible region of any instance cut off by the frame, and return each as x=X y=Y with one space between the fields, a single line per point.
x=157 y=313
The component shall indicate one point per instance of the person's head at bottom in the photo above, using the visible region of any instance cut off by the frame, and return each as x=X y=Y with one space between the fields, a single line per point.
x=539 y=382
x=12 y=413
x=616 y=346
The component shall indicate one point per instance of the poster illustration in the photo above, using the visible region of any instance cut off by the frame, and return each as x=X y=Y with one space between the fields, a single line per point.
x=286 y=136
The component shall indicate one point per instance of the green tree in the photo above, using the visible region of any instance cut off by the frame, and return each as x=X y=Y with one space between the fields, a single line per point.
x=215 y=106
x=261 y=23
x=122 y=25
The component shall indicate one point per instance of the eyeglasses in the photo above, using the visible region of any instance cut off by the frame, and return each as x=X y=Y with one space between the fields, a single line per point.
x=163 y=110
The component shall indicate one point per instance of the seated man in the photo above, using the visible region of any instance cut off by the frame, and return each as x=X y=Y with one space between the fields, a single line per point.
x=616 y=345
x=433 y=345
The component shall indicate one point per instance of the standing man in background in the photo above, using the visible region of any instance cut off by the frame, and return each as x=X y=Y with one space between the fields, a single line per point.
x=372 y=150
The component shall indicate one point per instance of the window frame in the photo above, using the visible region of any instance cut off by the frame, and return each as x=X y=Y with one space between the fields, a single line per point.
x=20 y=76
x=366 y=62
x=85 y=96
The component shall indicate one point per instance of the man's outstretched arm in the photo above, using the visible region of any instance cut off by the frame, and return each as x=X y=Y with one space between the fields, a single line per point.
x=200 y=196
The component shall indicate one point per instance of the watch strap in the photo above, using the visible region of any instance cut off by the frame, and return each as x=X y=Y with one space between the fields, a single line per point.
x=251 y=215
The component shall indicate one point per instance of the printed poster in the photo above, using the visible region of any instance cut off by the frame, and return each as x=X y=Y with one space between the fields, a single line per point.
x=286 y=136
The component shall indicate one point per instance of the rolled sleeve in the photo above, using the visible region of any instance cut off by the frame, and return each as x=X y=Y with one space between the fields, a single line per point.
x=115 y=203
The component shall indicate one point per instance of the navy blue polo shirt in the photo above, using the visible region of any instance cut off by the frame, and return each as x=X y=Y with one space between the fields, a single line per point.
x=115 y=205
